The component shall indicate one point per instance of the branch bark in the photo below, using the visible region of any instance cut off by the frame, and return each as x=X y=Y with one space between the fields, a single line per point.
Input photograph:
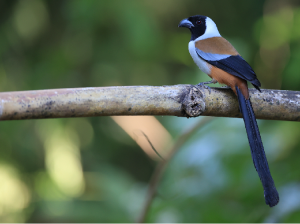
x=178 y=100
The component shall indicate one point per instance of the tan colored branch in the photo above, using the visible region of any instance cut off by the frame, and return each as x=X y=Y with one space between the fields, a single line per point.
x=179 y=100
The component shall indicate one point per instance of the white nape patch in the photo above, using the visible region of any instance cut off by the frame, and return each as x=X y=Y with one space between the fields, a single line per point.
x=203 y=65
x=211 y=30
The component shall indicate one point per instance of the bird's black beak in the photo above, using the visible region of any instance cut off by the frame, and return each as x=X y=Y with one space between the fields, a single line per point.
x=186 y=23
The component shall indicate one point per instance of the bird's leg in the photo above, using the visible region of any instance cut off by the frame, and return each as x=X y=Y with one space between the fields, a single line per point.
x=203 y=84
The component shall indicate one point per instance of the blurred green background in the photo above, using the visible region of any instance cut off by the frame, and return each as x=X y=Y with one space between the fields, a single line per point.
x=89 y=169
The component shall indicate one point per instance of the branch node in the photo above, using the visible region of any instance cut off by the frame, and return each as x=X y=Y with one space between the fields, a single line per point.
x=193 y=104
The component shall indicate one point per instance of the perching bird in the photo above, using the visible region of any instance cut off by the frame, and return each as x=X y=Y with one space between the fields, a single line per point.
x=216 y=57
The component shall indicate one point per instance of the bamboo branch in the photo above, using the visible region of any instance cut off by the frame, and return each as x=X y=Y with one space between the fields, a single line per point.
x=178 y=100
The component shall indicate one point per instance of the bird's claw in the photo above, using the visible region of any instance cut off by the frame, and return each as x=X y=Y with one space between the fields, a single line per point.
x=202 y=85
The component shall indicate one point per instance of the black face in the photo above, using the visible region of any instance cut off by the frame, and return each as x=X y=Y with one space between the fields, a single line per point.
x=196 y=24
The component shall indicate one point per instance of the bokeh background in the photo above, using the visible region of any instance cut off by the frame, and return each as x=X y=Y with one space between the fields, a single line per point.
x=90 y=169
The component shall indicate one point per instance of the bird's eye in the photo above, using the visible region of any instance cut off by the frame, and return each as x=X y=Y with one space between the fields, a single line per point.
x=198 y=22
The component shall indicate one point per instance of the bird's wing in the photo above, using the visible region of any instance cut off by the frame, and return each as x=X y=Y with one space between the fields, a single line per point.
x=218 y=52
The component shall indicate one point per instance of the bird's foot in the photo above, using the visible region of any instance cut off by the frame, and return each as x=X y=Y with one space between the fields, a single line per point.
x=203 y=84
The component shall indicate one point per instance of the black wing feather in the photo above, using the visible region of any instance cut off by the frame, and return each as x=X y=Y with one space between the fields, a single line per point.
x=234 y=65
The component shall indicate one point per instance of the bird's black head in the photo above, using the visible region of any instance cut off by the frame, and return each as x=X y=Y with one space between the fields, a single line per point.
x=196 y=24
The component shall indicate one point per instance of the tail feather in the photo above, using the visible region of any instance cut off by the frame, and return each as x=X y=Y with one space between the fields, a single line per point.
x=257 y=150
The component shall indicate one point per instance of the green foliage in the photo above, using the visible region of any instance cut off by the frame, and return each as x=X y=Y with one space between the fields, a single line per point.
x=88 y=169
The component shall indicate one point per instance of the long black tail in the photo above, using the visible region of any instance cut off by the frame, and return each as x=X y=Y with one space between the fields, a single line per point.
x=257 y=150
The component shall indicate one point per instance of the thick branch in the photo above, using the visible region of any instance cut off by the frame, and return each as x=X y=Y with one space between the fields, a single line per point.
x=179 y=100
